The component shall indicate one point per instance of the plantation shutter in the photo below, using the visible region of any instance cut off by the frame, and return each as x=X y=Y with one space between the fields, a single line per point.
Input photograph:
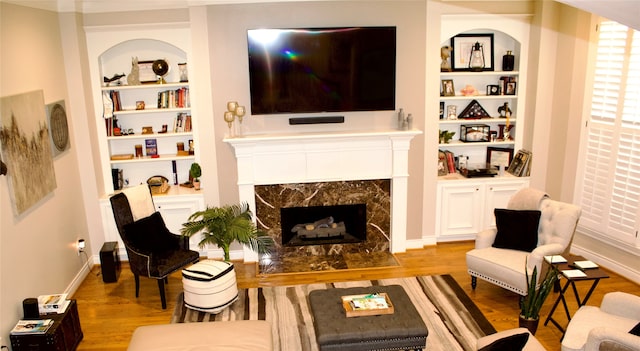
x=611 y=181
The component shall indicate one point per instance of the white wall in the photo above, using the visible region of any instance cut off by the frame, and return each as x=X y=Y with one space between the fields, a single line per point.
x=37 y=248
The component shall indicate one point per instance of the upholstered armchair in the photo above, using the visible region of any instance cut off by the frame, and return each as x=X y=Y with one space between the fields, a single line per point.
x=153 y=251
x=605 y=328
x=532 y=226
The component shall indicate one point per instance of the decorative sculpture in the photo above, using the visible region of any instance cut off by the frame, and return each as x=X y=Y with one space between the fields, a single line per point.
x=116 y=78
x=445 y=65
x=134 y=77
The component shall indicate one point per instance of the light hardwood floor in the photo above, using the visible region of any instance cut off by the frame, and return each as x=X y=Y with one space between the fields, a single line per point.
x=109 y=313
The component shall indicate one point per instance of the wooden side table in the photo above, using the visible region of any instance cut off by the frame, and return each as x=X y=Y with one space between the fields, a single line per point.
x=593 y=275
x=64 y=335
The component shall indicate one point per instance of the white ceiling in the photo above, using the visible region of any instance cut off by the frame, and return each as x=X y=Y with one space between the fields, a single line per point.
x=624 y=11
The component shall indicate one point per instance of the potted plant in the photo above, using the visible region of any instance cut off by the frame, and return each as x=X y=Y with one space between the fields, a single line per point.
x=224 y=225
x=531 y=304
x=195 y=173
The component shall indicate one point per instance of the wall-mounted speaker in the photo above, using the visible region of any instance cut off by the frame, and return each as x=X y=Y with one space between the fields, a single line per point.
x=316 y=120
x=30 y=308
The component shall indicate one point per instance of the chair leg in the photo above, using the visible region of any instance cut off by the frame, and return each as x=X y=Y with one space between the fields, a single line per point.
x=137 y=279
x=474 y=282
x=163 y=298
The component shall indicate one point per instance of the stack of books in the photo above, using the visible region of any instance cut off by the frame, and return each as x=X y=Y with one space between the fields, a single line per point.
x=32 y=326
x=55 y=303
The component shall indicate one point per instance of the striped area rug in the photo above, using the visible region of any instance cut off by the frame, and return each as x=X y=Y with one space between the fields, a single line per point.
x=453 y=320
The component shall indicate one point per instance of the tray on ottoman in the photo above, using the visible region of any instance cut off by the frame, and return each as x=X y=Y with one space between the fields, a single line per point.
x=402 y=330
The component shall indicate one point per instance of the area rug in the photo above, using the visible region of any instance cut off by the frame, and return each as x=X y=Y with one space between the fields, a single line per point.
x=453 y=320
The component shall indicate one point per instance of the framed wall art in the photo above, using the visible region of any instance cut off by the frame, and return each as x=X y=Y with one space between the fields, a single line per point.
x=146 y=72
x=461 y=46
x=497 y=157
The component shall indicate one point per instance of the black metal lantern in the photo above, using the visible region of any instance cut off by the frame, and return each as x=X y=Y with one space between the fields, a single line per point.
x=476 y=57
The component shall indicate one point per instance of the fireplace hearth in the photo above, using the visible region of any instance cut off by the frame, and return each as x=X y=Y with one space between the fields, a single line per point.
x=368 y=200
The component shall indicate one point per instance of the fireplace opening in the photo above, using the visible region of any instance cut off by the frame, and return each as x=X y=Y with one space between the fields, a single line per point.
x=319 y=225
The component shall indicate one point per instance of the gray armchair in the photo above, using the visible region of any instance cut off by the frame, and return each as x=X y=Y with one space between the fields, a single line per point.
x=504 y=265
x=153 y=251
x=605 y=328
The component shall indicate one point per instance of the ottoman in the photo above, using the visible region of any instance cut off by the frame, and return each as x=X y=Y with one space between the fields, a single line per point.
x=213 y=336
x=402 y=330
x=209 y=286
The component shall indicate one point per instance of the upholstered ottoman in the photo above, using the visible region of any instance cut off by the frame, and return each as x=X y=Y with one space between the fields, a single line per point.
x=218 y=336
x=402 y=330
x=209 y=286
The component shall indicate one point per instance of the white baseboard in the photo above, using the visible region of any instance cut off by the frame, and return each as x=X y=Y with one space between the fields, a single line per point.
x=81 y=275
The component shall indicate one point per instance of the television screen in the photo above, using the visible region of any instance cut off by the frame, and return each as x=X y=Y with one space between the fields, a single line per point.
x=322 y=69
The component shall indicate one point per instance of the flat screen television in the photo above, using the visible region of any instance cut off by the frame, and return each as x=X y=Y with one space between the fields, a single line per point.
x=309 y=70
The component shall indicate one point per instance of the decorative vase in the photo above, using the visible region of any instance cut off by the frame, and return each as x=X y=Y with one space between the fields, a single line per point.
x=508 y=61
x=529 y=323
x=196 y=185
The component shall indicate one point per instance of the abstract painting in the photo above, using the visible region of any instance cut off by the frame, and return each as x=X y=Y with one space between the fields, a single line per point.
x=26 y=149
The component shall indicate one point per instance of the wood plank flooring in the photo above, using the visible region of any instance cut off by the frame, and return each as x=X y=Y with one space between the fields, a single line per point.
x=109 y=313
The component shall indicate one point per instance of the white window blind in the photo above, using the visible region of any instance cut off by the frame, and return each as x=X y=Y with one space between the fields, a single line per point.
x=611 y=181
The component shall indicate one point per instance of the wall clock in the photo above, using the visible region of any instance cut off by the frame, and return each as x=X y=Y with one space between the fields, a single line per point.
x=58 y=127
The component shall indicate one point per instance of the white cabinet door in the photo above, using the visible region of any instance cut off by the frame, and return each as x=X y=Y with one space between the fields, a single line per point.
x=497 y=195
x=459 y=210
x=175 y=212
x=466 y=207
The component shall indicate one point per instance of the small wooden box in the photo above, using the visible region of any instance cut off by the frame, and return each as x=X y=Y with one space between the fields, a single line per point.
x=350 y=312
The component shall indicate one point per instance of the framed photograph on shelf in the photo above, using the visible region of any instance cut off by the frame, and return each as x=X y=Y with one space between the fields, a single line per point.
x=447 y=88
x=497 y=157
x=461 y=46
x=147 y=75
x=510 y=88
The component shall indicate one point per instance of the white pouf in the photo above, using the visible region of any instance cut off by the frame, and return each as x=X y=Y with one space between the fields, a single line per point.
x=209 y=286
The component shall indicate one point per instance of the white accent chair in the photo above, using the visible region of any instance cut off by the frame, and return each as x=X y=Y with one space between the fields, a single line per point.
x=506 y=267
x=606 y=327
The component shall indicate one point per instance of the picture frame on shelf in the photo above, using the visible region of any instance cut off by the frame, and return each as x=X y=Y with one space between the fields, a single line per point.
x=497 y=157
x=448 y=88
x=441 y=109
x=451 y=112
x=510 y=88
x=493 y=89
x=461 y=45
x=146 y=73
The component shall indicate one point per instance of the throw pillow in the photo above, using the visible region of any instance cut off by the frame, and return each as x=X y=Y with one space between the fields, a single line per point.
x=513 y=342
x=517 y=230
x=148 y=233
x=635 y=330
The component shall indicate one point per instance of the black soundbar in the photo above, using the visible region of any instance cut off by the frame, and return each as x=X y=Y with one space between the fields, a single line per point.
x=316 y=120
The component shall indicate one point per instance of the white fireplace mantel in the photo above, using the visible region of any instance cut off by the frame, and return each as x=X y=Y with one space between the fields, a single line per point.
x=327 y=157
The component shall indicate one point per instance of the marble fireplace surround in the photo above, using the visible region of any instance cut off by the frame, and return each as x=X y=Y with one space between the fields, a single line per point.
x=327 y=157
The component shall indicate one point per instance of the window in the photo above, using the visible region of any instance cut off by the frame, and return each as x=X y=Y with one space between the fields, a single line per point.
x=611 y=181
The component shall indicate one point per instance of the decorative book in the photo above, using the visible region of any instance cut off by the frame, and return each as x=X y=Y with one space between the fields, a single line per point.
x=585 y=265
x=553 y=259
x=367 y=305
x=573 y=273
x=151 y=147
x=32 y=326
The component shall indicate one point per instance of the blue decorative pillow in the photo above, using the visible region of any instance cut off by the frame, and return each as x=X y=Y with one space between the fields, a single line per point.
x=513 y=342
x=517 y=230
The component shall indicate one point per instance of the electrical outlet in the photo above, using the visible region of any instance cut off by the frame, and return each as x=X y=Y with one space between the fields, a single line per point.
x=80 y=245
